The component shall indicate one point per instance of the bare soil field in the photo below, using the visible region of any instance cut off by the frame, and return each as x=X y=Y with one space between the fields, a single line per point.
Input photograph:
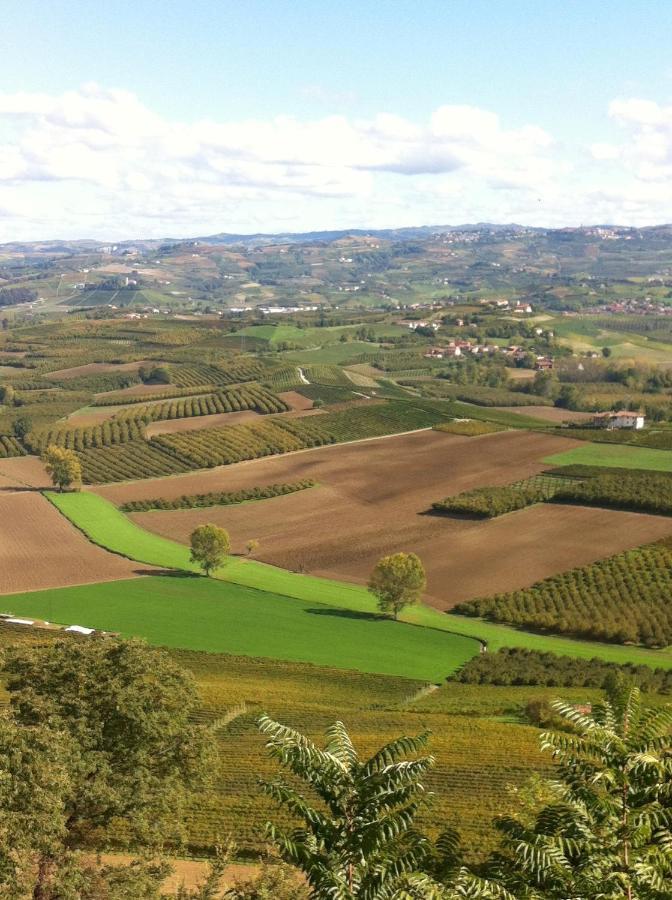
x=373 y=498
x=96 y=369
x=425 y=465
x=90 y=415
x=39 y=549
x=22 y=472
x=195 y=423
x=295 y=400
x=549 y=413
x=136 y=390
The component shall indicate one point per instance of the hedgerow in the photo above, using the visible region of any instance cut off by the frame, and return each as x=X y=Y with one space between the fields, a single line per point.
x=218 y=498
x=479 y=394
x=519 y=666
x=621 y=599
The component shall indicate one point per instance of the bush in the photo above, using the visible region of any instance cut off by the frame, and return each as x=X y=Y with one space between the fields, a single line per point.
x=218 y=498
x=469 y=427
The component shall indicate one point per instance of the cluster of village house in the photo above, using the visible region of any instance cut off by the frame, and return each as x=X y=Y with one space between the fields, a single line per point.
x=460 y=348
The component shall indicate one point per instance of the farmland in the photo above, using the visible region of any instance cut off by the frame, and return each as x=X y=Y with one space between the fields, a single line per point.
x=198 y=613
x=326 y=434
x=39 y=548
x=371 y=509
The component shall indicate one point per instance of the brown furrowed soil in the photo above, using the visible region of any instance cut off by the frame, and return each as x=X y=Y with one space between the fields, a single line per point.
x=549 y=413
x=39 y=549
x=295 y=400
x=195 y=423
x=139 y=390
x=96 y=369
x=22 y=472
x=373 y=499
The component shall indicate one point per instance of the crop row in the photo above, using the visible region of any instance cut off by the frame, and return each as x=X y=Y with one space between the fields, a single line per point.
x=218 y=498
x=136 y=459
x=324 y=374
x=640 y=491
x=489 y=502
x=220 y=446
x=9 y=446
x=120 y=399
x=188 y=376
x=232 y=400
x=622 y=599
x=106 y=435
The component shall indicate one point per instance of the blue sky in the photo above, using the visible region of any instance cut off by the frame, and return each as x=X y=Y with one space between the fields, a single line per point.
x=133 y=118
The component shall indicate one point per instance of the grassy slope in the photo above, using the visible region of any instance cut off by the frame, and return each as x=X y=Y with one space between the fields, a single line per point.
x=105 y=525
x=202 y=614
x=619 y=456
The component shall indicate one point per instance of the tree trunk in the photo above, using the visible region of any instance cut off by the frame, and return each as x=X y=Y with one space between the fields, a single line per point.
x=42 y=889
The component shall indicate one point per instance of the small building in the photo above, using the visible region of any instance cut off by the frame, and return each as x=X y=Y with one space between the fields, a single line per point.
x=621 y=419
x=543 y=363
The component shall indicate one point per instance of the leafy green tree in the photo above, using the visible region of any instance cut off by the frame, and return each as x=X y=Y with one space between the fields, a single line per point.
x=359 y=841
x=108 y=726
x=397 y=581
x=606 y=352
x=608 y=831
x=210 y=545
x=63 y=467
x=21 y=427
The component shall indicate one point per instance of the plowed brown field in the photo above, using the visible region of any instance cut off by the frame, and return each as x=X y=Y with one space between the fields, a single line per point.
x=22 y=472
x=39 y=548
x=373 y=498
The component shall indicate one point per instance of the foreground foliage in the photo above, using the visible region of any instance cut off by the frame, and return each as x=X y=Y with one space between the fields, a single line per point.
x=606 y=831
x=99 y=734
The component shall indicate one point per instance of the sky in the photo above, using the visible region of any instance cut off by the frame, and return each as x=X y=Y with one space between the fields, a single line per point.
x=153 y=119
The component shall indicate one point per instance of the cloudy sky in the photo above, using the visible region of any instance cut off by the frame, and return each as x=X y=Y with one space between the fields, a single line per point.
x=154 y=119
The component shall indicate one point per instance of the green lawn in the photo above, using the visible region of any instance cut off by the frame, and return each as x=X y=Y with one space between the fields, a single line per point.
x=199 y=613
x=619 y=456
x=108 y=527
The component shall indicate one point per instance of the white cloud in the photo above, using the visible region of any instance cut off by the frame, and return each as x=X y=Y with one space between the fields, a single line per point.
x=97 y=162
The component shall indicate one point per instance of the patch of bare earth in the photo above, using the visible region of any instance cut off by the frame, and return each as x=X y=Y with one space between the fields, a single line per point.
x=295 y=400
x=549 y=413
x=91 y=416
x=23 y=472
x=139 y=390
x=195 y=423
x=373 y=498
x=96 y=369
x=40 y=549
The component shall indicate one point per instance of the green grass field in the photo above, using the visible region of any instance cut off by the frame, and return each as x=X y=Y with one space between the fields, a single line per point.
x=106 y=526
x=199 y=613
x=618 y=456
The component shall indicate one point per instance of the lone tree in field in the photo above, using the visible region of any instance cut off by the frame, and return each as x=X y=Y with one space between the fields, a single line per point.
x=251 y=546
x=63 y=467
x=210 y=545
x=397 y=581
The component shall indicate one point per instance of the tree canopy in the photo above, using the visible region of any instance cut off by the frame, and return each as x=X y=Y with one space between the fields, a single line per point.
x=210 y=545
x=397 y=581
